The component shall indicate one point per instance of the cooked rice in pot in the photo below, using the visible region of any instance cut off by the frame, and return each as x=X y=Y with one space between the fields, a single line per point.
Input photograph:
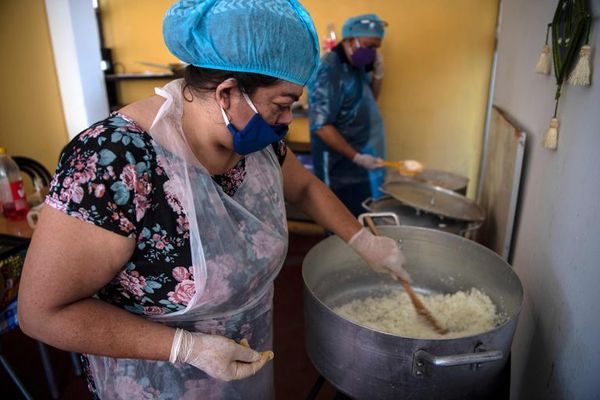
x=463 y=313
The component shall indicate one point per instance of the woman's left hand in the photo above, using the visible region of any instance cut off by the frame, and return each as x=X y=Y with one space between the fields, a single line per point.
x=218 y=356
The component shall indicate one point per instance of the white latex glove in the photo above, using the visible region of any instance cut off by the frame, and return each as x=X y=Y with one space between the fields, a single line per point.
x=378 y=66
x=367 y=161
x=380 y=252
x=218 y=356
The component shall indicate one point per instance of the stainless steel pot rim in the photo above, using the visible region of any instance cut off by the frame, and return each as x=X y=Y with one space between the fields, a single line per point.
x=507 y=319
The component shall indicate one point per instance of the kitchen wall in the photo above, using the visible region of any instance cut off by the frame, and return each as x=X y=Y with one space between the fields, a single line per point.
x=437 y=65
x=31 y=114
x=556 y=351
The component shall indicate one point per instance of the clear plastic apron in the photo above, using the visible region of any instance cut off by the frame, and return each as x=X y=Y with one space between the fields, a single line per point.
x=238 y=246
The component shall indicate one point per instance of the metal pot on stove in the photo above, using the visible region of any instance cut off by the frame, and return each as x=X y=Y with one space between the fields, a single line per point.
x=368 y=364
x=408 y=215
x=429 y=206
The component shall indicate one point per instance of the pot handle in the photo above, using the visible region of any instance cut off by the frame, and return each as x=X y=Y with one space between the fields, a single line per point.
x=376 y=215
x=422 y=359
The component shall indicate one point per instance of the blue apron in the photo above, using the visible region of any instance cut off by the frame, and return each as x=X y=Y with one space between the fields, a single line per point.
x=341 y=96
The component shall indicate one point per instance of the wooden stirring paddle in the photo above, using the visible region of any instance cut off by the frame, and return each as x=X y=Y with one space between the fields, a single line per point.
x=407 y=167
x=417 y=303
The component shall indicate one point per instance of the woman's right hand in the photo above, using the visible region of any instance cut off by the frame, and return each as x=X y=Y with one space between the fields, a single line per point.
x=367 y=161
x=218 y=356
x=380 y=252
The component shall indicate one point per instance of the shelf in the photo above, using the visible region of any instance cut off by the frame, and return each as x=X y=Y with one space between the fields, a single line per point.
x=112 y=83
x=139 y=76
x=299 y=147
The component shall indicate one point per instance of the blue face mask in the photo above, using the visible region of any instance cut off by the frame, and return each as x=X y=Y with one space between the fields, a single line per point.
x=257 y=134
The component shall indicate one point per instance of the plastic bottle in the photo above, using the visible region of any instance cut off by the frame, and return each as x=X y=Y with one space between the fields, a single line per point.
x=12 y=194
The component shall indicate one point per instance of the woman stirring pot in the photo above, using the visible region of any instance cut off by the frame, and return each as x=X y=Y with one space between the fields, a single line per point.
x=164 y=229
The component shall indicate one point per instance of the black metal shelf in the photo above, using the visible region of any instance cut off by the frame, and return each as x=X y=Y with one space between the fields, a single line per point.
x=112 y=81
x=138 y=76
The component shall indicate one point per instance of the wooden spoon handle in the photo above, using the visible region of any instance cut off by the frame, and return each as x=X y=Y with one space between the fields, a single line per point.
x=372 y=226
x=417 y=303
x=422 y=310
x=392 y=164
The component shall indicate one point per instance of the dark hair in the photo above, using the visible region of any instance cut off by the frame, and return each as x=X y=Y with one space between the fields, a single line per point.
x=201 y=80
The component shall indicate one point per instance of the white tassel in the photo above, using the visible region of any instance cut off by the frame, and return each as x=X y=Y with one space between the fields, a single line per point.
x=543 y=64
x=551 y=137
x=580 y=76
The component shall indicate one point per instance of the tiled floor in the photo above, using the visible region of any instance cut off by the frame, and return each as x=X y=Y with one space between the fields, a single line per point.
x=294 y=374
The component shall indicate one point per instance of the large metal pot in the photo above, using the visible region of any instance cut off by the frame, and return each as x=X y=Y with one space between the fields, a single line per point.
x=367 y=364
x=411 y=216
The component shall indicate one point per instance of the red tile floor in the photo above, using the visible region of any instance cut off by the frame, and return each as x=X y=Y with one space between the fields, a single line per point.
x=294 y=373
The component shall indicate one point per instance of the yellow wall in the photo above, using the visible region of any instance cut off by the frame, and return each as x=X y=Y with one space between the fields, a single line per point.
x=438 y=56
x=31 y=115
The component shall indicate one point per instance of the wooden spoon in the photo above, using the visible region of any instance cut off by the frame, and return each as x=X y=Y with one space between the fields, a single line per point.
x=417 y=303
x=408 y=167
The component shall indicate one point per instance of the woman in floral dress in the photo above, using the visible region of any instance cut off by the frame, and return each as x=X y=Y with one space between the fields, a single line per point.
x=164 y=229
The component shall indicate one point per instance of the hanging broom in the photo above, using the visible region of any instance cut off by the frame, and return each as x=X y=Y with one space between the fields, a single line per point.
x=571 y=23
x=582 y=71
x=551 y=136
x=543 y=64
x=580 y=76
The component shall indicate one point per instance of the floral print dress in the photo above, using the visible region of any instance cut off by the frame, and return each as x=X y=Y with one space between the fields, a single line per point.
x=110 y=176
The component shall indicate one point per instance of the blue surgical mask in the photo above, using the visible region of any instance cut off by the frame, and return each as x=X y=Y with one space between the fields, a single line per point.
x=257 y=134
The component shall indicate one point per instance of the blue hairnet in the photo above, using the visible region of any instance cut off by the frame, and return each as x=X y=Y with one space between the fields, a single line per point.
x=366 y=25
x=270 y=37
